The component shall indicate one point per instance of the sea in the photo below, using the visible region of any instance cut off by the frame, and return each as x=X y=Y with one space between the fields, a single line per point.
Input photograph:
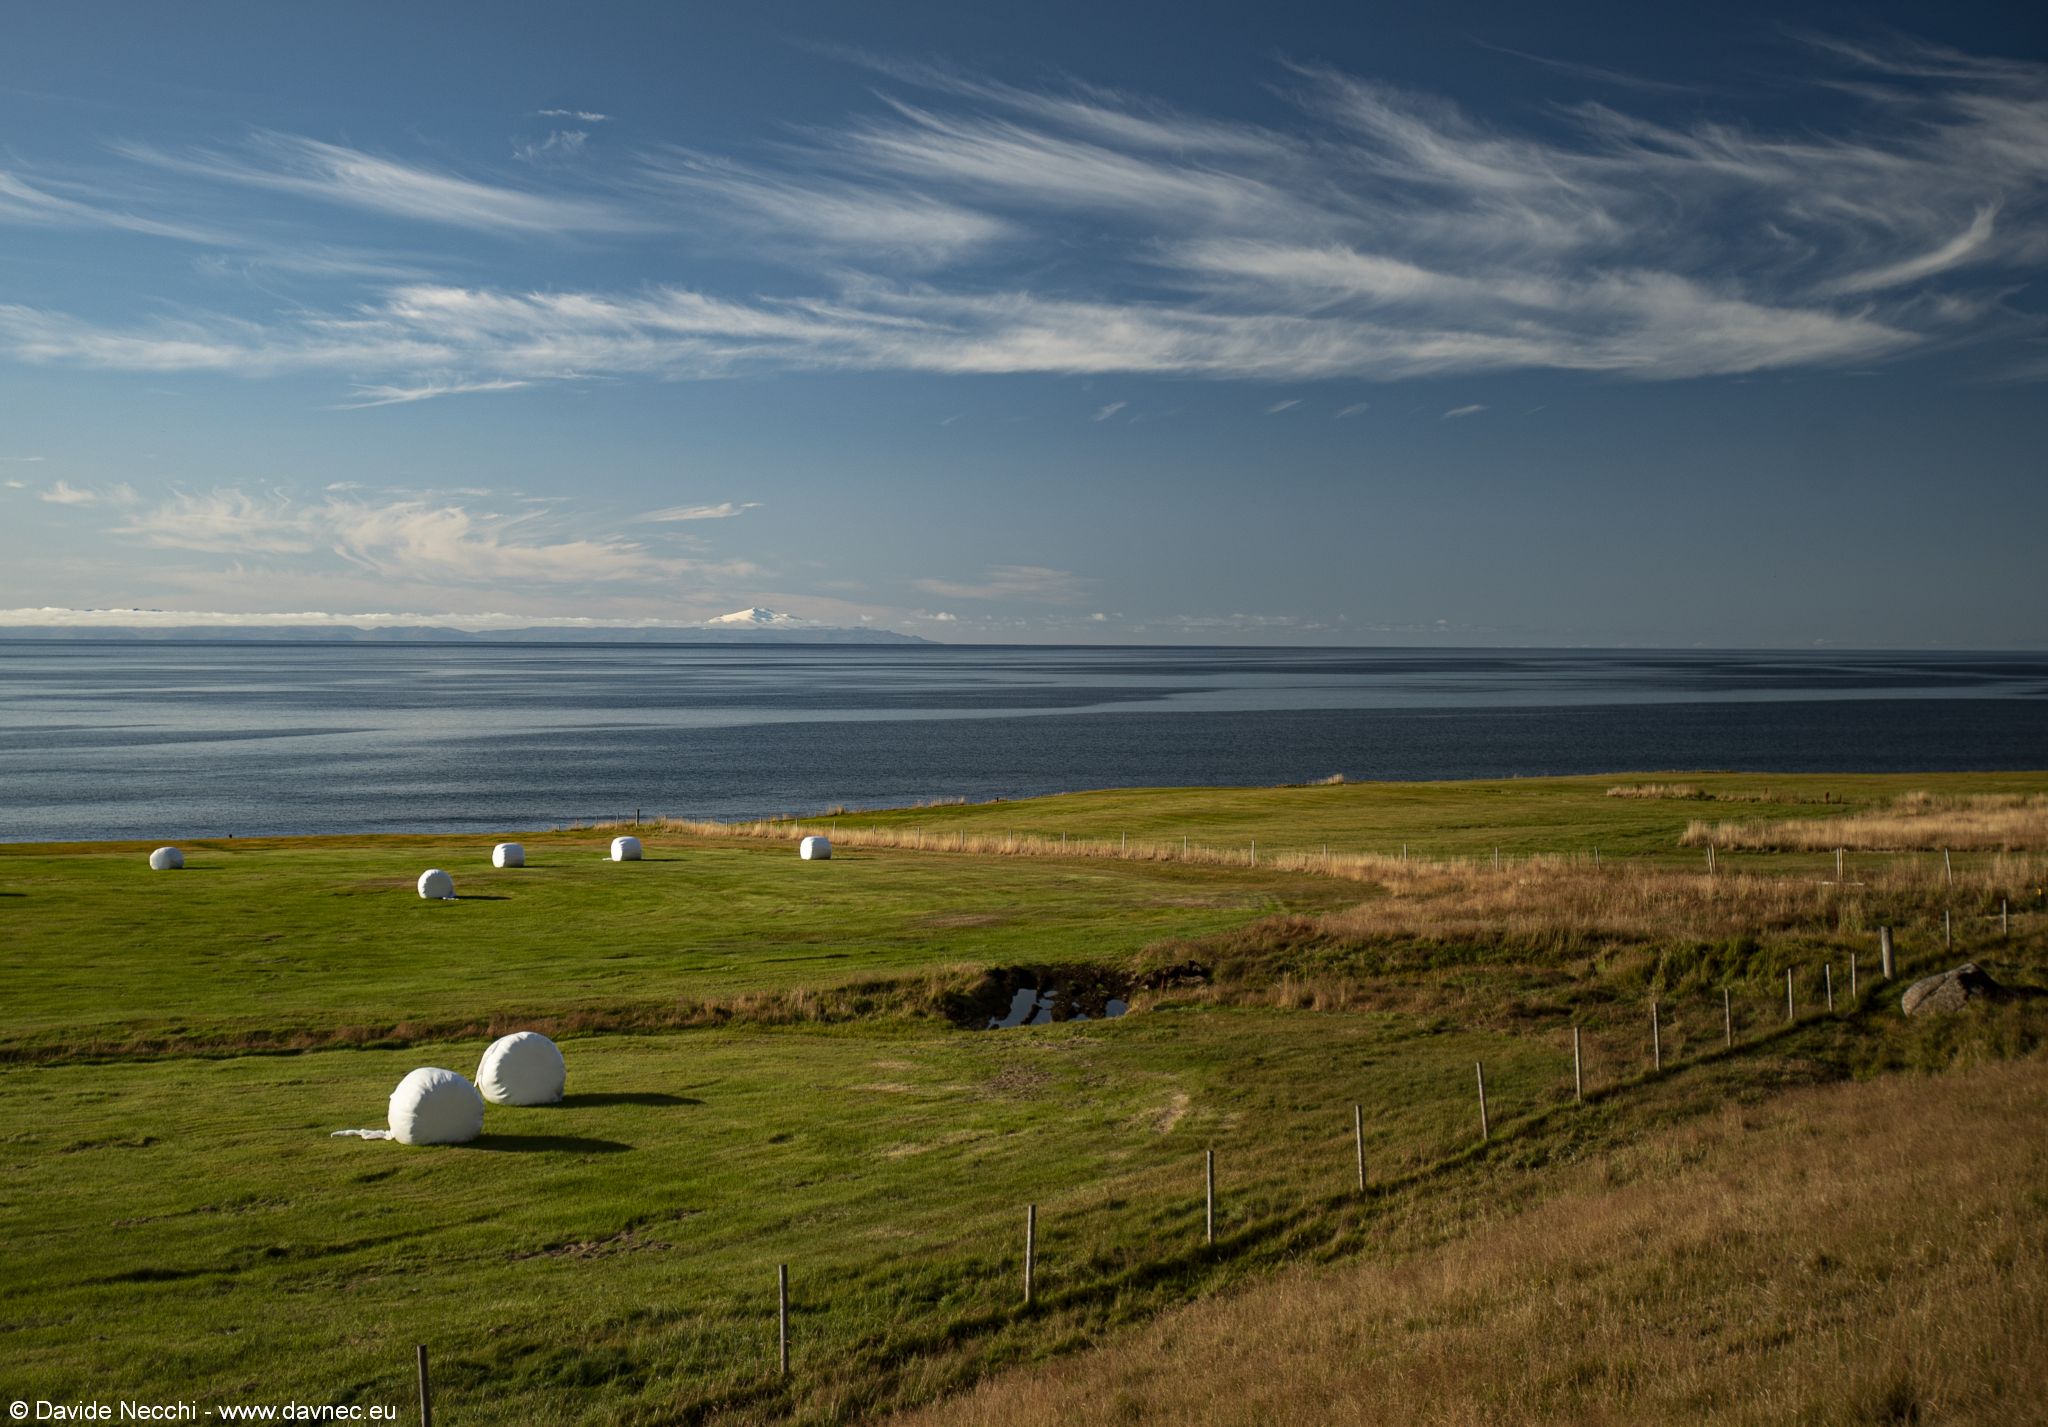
x=188 y=740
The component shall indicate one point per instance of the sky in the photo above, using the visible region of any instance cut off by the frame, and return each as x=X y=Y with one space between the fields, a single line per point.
x=1349 y=324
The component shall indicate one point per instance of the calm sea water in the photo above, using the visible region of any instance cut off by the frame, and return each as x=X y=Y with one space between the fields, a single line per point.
x=148 y=740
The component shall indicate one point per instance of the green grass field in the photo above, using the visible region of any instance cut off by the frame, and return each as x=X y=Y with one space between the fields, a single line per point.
x=180 y=1224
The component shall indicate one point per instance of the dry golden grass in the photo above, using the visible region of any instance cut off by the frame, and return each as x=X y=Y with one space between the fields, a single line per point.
x=1358 y=867
x=1559 y=904
x=1991 y=821
x=1864 y=1253
x=1659 y=790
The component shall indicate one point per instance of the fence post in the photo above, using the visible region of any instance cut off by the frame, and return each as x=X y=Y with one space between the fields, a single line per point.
x=1827 y=973
x=1030 y=1247
x=1948 y=868
x=1485 y=1131
x=1578 y=1071
x=1209 y=1196
x=1852 y=977
x=1358 y=1135
x=1788 y=993
x=782 y=1315
x=1948 y=934
x=1727 y=1020
x=426 y=1395
x=2004 y=918
x=1656 y=1040
x=1884 y=950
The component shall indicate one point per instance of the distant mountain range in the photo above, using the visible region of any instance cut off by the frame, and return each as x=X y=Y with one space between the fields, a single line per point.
x=746 y=626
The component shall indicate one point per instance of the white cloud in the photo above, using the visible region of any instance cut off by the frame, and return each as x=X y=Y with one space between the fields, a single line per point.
x=1473 y=410
x=1381 y=235
x=64 y=493
x=581 y=116
x=1103 y=413
x=809 y=211
x=1279 y=406
x=558 y=145
x=402 y=538
x=1003 y=582
x=1346 y=412
x=333 y=173
x=368 y=396
x=24 y=203
x=60 y=617
x=724 y=510
x=23 y=459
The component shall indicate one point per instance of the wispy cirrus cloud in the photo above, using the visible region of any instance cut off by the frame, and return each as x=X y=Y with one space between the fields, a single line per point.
x=1457 y=411
x=581 y=116
x=1008 y=582
x=814 y=211
x=723 y=510
x=1380 y=234
x=335 y=173
x=22 y=202
x=558 y=146
x=367 y=396
x=64 y=493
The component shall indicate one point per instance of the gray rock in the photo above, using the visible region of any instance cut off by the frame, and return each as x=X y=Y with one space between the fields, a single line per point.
x=1950 y=991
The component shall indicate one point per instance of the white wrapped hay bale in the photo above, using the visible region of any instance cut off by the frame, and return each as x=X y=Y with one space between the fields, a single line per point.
x=625 y=849
x=524 y=1068
x=508 y=854
x=432 y=1106
x=166 y=859
x=437 y=886
x=815 y=849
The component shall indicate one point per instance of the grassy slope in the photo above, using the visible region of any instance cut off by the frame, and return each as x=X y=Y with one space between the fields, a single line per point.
x=1856 y=1254
x=184 y=1221
x=1466 y=819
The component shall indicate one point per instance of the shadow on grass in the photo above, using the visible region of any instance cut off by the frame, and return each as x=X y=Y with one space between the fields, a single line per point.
x=543 y=1144
x=479 y=897
x=626 y=1097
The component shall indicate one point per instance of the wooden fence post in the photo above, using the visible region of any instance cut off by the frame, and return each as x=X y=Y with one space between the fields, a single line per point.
x=1578 y=1071
x=1788 y=993
x=1358 y=1135
x=1209 y=1196
x=1948 y=934
x=1485 y=1131
x=782 y=1315
x=1884 y=950
x=1030 y=1248
x=1852 y=977
x=426 y=1394
x=1656 y=1040
x=1827 y=972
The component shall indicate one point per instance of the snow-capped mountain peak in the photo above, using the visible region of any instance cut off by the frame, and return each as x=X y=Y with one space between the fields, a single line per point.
x=759 y=618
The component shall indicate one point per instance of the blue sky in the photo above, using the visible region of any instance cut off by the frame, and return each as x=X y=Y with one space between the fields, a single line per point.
x=1456 y=324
